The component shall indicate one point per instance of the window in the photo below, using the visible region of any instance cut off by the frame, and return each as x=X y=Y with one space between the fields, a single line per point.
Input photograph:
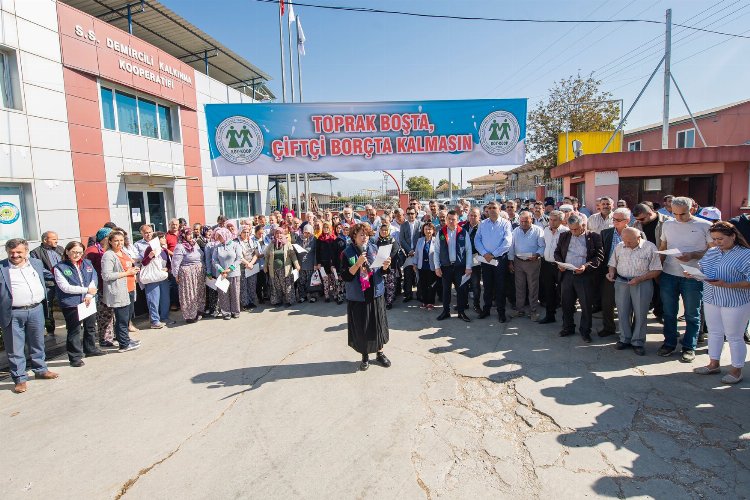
x=108 y=108
x=237 y=204
x=652 y=184
x=165 y=123
x=134 y=114
x=686 y=138
x=127 y=112
x=10 y=88
x=634 y=146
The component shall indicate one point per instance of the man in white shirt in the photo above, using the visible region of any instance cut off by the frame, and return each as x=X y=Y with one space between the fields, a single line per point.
x=549 y=276
x=525 y=253
x=691 y=237
x=22 y=291
x=602 y=219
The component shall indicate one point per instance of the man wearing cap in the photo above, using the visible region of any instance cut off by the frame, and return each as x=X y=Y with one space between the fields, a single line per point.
x=711 y=214
x=566 y=210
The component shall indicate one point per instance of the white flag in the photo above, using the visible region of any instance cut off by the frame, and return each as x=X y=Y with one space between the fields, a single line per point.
x=292 y=17
x=300 y=38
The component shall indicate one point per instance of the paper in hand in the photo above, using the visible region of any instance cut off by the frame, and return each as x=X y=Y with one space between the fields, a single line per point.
x=565 y=265
x=383 y=253
x=694 y=272
x=295 y=274
x=155 y=245
x=84 y=311
x=222 y=284
x=299 y=248
x=671 y=251
x=465 y=278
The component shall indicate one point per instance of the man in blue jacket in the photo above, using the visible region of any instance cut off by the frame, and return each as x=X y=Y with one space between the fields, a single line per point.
x=22 y=292
x=453 y=261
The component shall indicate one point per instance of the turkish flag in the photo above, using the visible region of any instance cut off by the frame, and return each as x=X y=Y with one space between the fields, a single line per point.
x=281 y=3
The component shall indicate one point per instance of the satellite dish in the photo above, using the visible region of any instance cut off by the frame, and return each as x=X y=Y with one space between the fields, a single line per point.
x=577 y=148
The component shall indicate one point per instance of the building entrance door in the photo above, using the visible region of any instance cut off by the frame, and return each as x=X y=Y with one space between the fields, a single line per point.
x=147 y=207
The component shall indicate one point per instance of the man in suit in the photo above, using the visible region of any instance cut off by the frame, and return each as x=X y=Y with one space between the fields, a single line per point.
x=611 y=236
x=408 y=236
x=583 y=250
x=50 y=253
x=452 y=261
x=22 y=291
x=470 y=226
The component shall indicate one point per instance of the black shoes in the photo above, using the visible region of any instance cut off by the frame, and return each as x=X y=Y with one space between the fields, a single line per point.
x=547 y=320
x=639 y=350
x=77 y=364
x=407 y=299
x=501 y=318
x=365 y=364
x=586 y=337
x=565 y=333
x=95 y=353
x=389 y=306
x=621 y=345
x=605 y=333
x=462 y=316
x=477 y=309
x=484 y=314
x=444 y=315
x=665 y=351
x=383 y=360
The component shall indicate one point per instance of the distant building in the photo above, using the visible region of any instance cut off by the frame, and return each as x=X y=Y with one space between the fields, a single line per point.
x=528 y=182
x=713 y=175
x=488 y=187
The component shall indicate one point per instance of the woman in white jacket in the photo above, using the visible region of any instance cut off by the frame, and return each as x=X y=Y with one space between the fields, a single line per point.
x=424 y=266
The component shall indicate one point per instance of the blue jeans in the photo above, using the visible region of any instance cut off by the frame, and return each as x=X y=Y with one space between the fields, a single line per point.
x=122 y=320
x=157 y=299
x=671 y=287
x=26 y=327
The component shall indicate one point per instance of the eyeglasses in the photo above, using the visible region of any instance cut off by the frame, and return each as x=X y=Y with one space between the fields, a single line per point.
x=411 y=213
x=75 y=252
x=619 y=220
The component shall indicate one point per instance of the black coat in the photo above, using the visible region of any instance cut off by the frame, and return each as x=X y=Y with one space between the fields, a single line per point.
x=594 y=250
x=41 y=254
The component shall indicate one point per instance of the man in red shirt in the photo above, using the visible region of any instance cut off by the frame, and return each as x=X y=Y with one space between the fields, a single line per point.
x=172 y=237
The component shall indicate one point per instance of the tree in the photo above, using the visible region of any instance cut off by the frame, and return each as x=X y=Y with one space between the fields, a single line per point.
x=419 y=183
x=443 y=186
x=574 y=105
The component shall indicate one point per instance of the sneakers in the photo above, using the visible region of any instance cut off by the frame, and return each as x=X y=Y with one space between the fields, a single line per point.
x=157 y=326
x=130 y=347
x=665 y=351
x=106 y=343
x=383 y=360
x=688 y=356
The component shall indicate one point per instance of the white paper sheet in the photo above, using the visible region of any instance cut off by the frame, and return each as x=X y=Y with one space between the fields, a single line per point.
x=694 y=272
x=671 y=251
x=383 y=253
x=335 y=274
x=322 y=273
x=85 y=311
x=299 y=248
x=295 y=274
x=254 y=270
x=211 y=283
x=222 y=284
x=155 y=245
x=567 y=266
x=464 y=279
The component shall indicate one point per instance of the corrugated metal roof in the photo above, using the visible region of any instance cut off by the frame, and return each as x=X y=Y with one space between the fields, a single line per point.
x=163 y=28
x=685 y=118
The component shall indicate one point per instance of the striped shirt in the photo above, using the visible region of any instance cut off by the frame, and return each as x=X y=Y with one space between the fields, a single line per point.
x=731 y=266
x=634 y=262
x=597 y=222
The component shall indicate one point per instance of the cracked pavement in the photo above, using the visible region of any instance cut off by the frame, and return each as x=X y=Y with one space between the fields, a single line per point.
x=272 y=406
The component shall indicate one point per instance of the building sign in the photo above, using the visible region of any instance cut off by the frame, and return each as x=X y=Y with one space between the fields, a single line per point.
x=96 y=47
x=11 y=220
x=606 y=178
x=295 y=138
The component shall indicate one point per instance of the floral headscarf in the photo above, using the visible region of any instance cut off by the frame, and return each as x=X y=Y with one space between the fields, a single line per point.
x=184 y=233
x=279 y=238
x=224 y=233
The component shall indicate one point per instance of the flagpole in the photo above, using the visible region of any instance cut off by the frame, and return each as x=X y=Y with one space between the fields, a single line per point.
x=283 y=96
x=306 y=182
x=291 y=60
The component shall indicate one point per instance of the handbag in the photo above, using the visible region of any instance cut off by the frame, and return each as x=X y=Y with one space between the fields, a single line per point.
x=153 y=272
x=315 y=279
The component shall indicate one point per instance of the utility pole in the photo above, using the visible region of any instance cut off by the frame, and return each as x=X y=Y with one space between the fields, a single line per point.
x=667 y=80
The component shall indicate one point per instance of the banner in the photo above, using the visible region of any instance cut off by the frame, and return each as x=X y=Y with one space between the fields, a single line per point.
x=247 y=139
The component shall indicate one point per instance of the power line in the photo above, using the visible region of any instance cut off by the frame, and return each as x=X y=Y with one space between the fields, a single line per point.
x=369 y=10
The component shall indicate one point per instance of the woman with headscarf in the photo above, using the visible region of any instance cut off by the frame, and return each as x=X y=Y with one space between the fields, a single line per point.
x=327 y=252
x=384 y=238
x=248 y=282
x=262 y=280
x=187 y=268
x=280 y=260
x=342 y=240
x=366 y=317
x=104 y=316
x=306 y=261
x=212 y=295
x=232 y=229
x=318 y=228
x=225 y=262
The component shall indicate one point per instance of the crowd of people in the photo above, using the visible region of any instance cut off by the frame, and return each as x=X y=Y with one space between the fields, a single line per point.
x=526 y=255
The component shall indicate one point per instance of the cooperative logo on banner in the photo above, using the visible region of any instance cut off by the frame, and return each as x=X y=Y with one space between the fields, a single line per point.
x=239 y=139
x=499 y=133
x=9 y=213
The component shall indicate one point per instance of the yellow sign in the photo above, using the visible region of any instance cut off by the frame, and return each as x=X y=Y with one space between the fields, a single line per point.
x=588 y=143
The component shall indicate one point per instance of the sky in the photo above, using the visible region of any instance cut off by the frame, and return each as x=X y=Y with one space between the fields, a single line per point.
x=363 y=57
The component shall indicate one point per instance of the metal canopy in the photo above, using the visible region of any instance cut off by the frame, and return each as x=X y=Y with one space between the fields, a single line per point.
x=311 y=177
x=166 y=30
